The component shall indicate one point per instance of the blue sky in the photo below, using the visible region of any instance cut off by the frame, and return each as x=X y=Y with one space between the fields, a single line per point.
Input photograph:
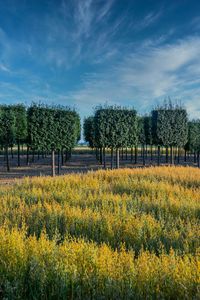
x=86 y=52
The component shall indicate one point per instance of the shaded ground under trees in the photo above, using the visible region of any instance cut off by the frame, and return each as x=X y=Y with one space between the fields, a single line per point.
x=82 y=160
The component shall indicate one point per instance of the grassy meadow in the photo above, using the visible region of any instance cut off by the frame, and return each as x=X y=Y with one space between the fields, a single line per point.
x=121 y=234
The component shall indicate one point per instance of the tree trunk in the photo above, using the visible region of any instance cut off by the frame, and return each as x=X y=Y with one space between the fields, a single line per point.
x=167 y=155
x=111 y=161
x=151 y=152
x=198 y=159
x=185 y=156
x=97 y=154
x=158 y=163
x=172 y=155
x=104 y=157
x=178 y=160
x=136 y=155
x=195 y=158
x=117 y=158
x=66 y=155
x=11 y=150
x=59 y=168
x=131 y=154
x=62 y=157
x=126 y=153
x=18 y=153
x=143 y=155
x=7 y=160
x=27 y=155
x=101 y=160
x=53 y=163
x=33 y=156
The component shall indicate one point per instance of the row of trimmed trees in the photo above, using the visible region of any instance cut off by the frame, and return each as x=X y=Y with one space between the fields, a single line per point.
x=42 y=128
x=117 y=128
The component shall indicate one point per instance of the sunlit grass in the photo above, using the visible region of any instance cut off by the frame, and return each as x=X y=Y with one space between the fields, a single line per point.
x=121 y=234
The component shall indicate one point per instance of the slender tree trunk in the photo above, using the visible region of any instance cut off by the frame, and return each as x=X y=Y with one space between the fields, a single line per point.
x=131 y=154
x=104 y=157
x=117 y=158
x=198 y=159
x=195 y=158
x=126 y=153
x=143 y=154
x=18 y=153
x=111 y=161
x=158 y=156
x=172 y=155
x=175 y=155
x=167 y=154
x=7 y=160
x=136 y=154
x=11 y=149
x=179 y=153
x=185 y=156
x=97 y=156
x=59 y=168
x=53 y=163
x=101 y=160
x=151 y=152
x=27 y=155
x=66 y=155
x=62 y=157
x=33 y=156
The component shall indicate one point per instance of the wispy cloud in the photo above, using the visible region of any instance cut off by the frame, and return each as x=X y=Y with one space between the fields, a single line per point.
x=87 y=52
x=150 y=19
x=147 y=75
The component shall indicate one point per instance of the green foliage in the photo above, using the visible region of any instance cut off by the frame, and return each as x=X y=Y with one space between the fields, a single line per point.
x=148 y=130
x=89 y=131
x=52 y=127
x=39 y=119
x=115 y=127
x=7 y=125
x=20 y=114
x=132 y=123
x=67 y=128
x=193 y=136
x=169 y=125
x=141 y=131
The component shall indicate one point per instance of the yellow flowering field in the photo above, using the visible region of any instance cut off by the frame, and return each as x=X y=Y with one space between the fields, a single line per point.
x=121 y=234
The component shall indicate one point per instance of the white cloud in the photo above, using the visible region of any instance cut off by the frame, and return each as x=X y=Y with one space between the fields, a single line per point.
x=148 y=75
